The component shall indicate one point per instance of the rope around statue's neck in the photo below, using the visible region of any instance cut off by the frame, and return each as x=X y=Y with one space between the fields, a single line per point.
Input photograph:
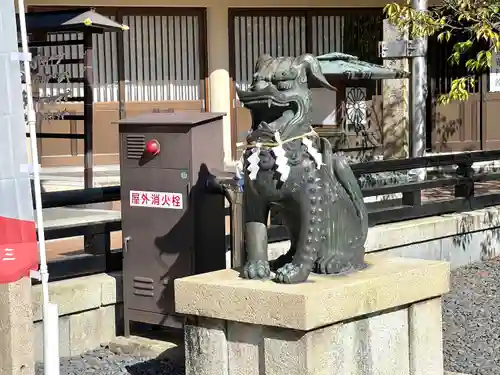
x=278 y=151
x=279 y=141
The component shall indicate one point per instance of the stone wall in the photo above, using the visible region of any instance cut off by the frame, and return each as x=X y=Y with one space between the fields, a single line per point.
x=90 y=312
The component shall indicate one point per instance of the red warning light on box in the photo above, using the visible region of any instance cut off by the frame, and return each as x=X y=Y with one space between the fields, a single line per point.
x=153 y=147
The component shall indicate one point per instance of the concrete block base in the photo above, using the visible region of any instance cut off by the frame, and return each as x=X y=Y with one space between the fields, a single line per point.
x=384 y=320
x=90 y=313
x=16 y=331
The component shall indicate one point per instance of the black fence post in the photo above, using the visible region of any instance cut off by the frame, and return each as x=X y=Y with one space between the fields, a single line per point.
x=465 y=186
x=97 y=243
x=412 y=198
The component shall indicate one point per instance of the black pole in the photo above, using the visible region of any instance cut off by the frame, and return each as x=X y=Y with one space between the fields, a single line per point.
x=88 y=111
x=482 y=117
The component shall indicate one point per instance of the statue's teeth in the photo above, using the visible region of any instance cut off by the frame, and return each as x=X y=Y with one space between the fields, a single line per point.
x=269 y=103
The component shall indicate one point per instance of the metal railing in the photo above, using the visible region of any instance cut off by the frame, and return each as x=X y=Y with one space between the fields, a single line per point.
x=463 y=180
x=101 y=258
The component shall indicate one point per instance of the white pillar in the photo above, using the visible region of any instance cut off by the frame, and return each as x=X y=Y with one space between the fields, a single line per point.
x=218 y=69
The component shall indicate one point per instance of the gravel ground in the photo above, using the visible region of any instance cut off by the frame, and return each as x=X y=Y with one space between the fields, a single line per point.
x=104 y=362
x=471 y=322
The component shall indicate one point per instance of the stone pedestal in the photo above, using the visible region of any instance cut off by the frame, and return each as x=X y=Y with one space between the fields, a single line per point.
x=16 y=329
x=384 y=320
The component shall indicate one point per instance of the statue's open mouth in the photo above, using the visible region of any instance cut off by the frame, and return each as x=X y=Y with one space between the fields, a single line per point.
x=271 y=110
x=271 y=113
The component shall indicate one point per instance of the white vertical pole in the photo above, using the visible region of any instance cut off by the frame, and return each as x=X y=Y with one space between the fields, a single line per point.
x=50 y=354
x=51 y=322
x=418 y=98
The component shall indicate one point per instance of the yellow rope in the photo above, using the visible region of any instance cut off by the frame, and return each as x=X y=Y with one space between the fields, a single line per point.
x=274 y=144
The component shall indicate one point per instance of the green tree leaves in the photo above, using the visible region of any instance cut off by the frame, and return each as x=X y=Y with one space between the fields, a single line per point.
x=471 y=25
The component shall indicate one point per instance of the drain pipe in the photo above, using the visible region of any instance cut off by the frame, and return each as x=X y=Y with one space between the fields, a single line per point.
x=232 y=189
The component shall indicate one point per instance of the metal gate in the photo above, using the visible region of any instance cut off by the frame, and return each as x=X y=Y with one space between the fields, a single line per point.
x=282 y=32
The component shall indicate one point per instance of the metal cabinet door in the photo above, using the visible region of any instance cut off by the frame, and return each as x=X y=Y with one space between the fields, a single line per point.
x=158 y=242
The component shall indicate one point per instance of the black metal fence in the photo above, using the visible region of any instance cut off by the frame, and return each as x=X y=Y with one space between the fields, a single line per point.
x=462 y=184
x=100 y=257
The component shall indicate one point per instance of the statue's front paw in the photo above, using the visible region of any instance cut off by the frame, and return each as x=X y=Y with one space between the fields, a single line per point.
x=291 y=274
x=327 y=265
x=279 y=262
x=256 y=269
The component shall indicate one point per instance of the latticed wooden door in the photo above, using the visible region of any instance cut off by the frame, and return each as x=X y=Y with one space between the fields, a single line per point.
x=291 y=32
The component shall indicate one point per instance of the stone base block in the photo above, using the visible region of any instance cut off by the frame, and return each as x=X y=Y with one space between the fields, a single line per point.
x=90 y=313
x=384 y=320
x=81 y=332
x=16 y=330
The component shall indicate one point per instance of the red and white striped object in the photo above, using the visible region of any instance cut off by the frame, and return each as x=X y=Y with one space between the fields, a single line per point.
x=18 y=242
x=18 y=249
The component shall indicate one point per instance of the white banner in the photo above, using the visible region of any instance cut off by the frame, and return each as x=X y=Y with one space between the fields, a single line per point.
x=495 y=73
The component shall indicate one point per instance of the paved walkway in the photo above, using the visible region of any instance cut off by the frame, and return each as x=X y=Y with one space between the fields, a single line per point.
x=57 y=179
x=440 y=194
x=65 y=217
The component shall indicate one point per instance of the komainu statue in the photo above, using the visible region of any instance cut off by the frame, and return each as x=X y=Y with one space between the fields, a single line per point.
x=285 y=163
